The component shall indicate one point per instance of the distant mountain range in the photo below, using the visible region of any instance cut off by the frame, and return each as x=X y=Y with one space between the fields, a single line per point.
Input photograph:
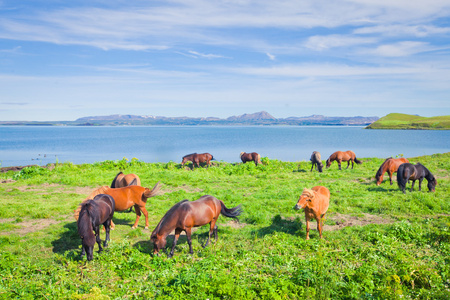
x=259 y=118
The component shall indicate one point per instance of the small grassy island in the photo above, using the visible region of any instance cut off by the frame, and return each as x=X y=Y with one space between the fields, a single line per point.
x=404 y=121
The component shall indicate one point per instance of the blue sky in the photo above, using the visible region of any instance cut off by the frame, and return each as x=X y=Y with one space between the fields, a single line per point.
x=61 y=60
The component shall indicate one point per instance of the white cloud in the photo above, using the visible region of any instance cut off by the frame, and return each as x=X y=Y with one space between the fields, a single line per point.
x=271 y=57
x=332 y=41
x=405 y=48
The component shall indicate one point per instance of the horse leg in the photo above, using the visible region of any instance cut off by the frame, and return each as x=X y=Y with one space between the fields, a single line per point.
x=390 y=176
x=83 y=251
x=412 y=185
x=212 y=225
x=216 y=235
x=339 y=163
x=319 y=226
x=144 y=210
x=97 y=238
x=307 y=228
x=107 y=225
x=312 y=166
x=175 y=240
x=188 y=235
x=113 y=226
x=138 y=215
x=348 y=163
x=420 y=184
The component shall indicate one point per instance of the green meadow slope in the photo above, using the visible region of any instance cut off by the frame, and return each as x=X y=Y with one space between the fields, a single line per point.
x=404 y=121
x=378 y=242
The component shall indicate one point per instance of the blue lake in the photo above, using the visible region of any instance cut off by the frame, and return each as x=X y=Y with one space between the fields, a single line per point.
x=24 y=145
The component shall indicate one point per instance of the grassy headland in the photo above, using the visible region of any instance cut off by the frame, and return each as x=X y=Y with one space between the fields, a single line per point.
x=404 y=121
x=378 y=243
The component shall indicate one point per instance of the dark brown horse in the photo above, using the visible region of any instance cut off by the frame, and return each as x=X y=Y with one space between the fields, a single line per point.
x=122 y=180
x=390 y=165
x=127 y=197
x=245 y=157
x=316 y=161
x=94 y=213
x=412 y=172
x=340 y=156
x=197 y=159
x=187 y=214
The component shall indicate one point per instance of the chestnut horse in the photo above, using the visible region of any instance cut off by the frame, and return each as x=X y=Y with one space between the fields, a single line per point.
x=340 y=156
x=198 y=158
x=187 y=214
x=412 y=172
x=122 y=180
x=315 y=202
x=390 y=165
x=127 y=197
x=94 y=213
x=245 y=157
x=316 y=161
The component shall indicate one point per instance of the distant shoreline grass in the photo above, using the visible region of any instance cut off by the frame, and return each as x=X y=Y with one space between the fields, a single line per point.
x=405 y=121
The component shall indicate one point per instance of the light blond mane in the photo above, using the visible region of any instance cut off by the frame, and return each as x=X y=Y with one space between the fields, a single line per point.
x=100 y=190
x=309 y=193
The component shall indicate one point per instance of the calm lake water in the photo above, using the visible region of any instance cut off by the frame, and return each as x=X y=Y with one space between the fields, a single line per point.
x=24 y=145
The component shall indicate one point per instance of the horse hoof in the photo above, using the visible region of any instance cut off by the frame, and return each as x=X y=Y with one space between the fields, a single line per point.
x=133 y=227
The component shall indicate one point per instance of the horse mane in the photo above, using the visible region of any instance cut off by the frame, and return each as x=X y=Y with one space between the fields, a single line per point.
x=113 y=184
x=86 y=209
x=167 y=214
x=380 y=170
x=100 y=190
x=309 y=193
x=189 y=155
x=242 y=153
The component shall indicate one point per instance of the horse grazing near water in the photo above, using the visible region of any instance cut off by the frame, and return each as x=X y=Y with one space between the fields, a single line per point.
x=197 y=159
x=412 y=172
x=187 y=214
x=340 y=156
x=245 y=157
x=316 y=161
x=127 y=197
x=122 y=180
x=390 y=165
x=94 y=213
x=315 y=203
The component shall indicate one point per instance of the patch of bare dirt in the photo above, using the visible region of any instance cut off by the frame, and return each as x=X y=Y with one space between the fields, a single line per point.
x=7 y=181
x=185 y=188
x=342 y=221
x=29 y=225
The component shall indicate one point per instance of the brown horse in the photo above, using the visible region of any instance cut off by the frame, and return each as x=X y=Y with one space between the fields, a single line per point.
x=412 y=172
x=340 y=156
x=122 y=180
x=245 y=157
x=198 y=158
x=187 y=214
x=127 y=197
x=94 y=213
x=316 y=161
x=390 y=165
x=315 y=202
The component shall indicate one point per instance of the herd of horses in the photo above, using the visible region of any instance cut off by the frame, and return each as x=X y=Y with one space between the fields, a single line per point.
x=126 y=192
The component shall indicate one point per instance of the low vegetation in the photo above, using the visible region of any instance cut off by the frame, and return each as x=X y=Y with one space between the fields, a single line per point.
x=378 y=243
x=404 y=121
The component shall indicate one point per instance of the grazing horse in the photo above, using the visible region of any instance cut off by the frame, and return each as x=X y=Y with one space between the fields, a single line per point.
x=187 y=214
x=198 y=158
x=127 y=197
x=316 y=161
x=340 y=156
x=122 y=180
x=412 y=172
x=94 y=213
x=245 y=157
x=315 y=203
x=390 y=165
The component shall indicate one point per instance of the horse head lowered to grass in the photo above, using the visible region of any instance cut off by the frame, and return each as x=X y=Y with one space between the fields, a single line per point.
x=390 y=165
x=412 y=172
x=315 y=203
x=93 y=213
x=187 y=214
x=340 y=156
x=196 y=159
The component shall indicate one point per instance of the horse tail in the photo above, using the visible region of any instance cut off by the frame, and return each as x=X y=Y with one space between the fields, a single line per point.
x=113 y=183
x=230 y=212
x=156 y=191
x=358 y=161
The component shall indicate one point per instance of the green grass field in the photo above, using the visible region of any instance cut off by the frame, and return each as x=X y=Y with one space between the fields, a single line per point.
x=378 y=243
x=404 y=121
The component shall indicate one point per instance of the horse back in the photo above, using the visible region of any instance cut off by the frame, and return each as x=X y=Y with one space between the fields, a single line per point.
x=106 y=206
x=322 y=199
x=125 y=197
x=201 y=211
